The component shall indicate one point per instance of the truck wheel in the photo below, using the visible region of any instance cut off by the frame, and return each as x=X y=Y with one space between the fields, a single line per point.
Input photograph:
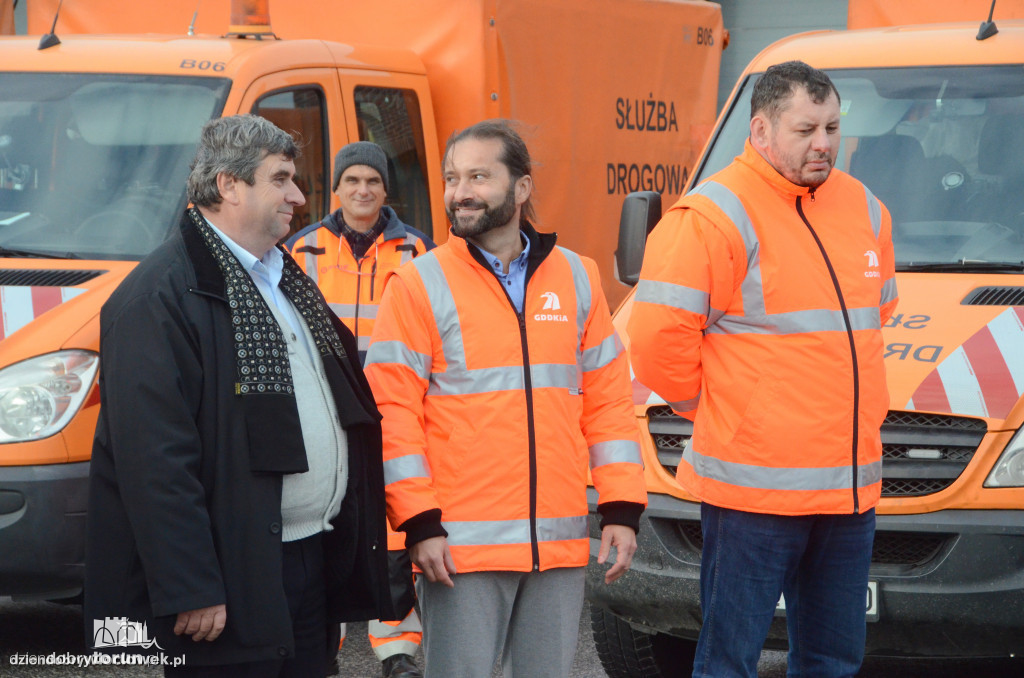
x=628 y=653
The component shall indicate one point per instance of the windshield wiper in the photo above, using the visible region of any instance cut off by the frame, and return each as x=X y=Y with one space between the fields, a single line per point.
x=35 y=254
x=963 y=266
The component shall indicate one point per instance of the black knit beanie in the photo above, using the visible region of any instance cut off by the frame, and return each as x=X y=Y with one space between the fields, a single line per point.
x=361 y=153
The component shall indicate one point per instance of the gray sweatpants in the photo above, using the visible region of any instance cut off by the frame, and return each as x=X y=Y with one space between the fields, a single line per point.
x=532 y=618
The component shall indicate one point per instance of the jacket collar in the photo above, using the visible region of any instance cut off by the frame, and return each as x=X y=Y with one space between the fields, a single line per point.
x=753 y=160
x=394 y=229
x=209 y=279
x=541 y=245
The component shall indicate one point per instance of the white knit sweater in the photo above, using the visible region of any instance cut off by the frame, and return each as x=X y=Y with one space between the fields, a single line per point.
x=309 y=500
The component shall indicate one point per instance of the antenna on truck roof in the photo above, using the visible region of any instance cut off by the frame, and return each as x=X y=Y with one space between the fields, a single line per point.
x=988 y=28
x=50 y=39
x=192 y=26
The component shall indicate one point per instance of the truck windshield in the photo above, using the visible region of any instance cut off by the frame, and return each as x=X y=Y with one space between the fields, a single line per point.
x=942 y=147
x=94 y=166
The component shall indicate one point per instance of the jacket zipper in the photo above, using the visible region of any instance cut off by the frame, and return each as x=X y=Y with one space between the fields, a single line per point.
x=359 y=291
x=532 y=436
x=530 y=423
x=853 y=347
x=373 y=275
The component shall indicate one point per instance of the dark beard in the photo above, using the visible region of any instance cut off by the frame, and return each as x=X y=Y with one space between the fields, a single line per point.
x=491 y=218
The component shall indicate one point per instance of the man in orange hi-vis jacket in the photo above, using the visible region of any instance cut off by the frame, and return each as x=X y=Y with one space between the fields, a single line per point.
x=758 y=314
x=502 y=382
x=349 y=254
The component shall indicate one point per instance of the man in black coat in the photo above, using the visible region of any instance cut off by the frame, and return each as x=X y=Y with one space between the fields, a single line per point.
x=236 y=500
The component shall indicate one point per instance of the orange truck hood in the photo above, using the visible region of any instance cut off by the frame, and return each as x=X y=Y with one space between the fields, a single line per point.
x=51 y=305
x=945 y=355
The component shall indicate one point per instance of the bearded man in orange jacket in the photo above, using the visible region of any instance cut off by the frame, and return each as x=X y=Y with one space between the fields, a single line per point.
x=758 y=314
x=502 y=382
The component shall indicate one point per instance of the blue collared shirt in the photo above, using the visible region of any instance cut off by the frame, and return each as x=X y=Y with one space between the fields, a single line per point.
x=267 y=273
x=514 y=281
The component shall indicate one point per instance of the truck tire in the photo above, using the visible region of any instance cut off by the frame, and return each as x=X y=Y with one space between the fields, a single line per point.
x=627 y=653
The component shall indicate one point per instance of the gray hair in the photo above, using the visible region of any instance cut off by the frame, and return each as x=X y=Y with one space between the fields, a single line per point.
x=235 y=145
x=777 y=86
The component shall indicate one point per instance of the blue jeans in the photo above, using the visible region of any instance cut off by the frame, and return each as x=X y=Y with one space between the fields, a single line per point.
x=819 y=562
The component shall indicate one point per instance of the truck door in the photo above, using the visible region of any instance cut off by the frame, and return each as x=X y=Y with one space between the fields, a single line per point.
x=307 y=104
x=393 y=110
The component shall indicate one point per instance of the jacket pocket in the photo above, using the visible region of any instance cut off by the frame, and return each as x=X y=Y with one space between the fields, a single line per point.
x=754 y=426
x=451 y=466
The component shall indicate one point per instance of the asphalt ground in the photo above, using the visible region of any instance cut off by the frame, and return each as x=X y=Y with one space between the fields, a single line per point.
x=45 y=628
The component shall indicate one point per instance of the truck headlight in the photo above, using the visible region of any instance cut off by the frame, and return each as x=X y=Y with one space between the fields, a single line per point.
x=39 y=396
x=1009 y=470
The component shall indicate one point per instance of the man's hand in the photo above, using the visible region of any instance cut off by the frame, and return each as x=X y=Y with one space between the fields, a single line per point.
x=433 y=557
x=624 y=540
x=202 y=624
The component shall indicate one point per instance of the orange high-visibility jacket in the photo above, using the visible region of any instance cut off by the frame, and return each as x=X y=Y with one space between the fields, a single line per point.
x=759 y=314
x=353 y=287
x=492 y=418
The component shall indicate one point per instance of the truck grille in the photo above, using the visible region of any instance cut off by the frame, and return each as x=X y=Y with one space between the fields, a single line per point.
x=912 y=549
x=922 y=453
x=995 y=295
x=925 y=453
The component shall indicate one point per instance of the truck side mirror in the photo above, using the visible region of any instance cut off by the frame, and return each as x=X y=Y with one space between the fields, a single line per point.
x=641 y=210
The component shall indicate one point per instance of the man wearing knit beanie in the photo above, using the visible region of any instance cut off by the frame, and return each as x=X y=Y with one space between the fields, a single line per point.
x=361 y=153
x=349 y=254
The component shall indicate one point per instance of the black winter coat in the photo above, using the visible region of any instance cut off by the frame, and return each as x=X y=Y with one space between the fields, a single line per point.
x=185 y=486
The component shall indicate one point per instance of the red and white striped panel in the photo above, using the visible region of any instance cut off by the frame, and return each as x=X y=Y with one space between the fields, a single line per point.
x=983 y=377
x=21 y=305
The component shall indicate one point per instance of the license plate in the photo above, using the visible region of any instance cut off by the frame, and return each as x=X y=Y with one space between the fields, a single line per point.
x=872 y=603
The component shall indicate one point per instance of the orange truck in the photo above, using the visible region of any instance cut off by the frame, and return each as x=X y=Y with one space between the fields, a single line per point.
x=99 y=122
x=932 y=124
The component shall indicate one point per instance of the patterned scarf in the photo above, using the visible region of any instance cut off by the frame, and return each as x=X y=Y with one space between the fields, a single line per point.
x=261 y=353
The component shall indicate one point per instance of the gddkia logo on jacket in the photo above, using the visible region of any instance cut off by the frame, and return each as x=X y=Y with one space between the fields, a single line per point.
x=551 y=303
x=119 y=632
x=872 y=263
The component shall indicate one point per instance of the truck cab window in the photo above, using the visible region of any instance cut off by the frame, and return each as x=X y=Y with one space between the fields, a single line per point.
x=301 y=112
x=93 y=166
x=939 y=146
x=390 y=117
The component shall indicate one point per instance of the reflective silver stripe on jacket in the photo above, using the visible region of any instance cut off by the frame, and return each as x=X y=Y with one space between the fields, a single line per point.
x=404 y=468
x=755 y=318
x=874 y=212
x=368 y=311
x=407 y=255
x=397 y=353
x=581 y=283
x=458 y=379
x=615 y=452
x=312 y=267
x=596 y=357
x=675 y=296
x=504 y=532
x=767 y=478
x=888 y=291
